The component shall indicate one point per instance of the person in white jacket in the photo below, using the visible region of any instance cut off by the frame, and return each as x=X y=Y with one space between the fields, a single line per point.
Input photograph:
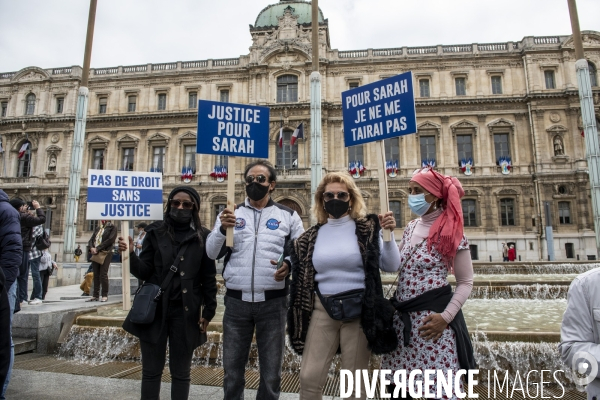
x=256 y=298
x=580 y=331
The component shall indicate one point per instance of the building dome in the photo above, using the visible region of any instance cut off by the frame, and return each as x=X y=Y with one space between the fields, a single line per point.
x=268 y=16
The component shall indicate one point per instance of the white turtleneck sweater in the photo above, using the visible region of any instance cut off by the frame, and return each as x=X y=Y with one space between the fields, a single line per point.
x=463 y=266
x=337 y=260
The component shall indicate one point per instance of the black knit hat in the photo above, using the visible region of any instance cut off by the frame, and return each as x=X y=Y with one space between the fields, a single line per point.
x=189 y=190
x=16 y=203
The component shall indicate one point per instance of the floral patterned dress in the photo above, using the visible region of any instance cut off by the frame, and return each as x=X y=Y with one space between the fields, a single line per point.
x=423 y=272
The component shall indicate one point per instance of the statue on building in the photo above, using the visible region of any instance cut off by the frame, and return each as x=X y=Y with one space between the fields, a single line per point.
x=559 y=149
x=52 y=163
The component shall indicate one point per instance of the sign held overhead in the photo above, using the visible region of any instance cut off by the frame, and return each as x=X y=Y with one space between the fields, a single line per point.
x=379 y=110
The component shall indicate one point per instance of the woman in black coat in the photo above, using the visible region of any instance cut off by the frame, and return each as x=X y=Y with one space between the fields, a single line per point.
x=189 y=302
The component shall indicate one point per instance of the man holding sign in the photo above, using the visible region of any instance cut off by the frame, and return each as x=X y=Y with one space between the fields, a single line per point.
x=257 y=287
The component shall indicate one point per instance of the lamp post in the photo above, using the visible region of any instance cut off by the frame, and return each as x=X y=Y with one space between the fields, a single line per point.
x=316 y=154
x=78 y=139
x=589 y=120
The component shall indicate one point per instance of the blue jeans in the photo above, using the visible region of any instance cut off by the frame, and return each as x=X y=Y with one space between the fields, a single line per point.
x=239 y=323
x=34 y=265
x=12 y=298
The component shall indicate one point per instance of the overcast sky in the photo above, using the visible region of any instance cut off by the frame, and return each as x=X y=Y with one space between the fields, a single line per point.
x=51 y=33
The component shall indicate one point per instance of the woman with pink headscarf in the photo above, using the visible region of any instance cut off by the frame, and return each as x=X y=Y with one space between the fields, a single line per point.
x=430 y=326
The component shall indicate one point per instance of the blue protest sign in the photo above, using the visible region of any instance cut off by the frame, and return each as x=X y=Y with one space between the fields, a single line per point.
x=124 y=195
x=231 y=129
x=379 y=110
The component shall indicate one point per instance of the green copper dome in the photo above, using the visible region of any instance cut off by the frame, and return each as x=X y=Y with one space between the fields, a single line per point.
x=268 y=16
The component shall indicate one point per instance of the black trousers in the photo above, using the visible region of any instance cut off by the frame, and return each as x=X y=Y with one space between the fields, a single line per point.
x=180 y=357
x=45 y=275
x=101 y=276
x=5 y=337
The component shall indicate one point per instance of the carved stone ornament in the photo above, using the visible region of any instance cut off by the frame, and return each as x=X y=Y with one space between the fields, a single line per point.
x=554 y=117
x=559 y=148
x=55 y=138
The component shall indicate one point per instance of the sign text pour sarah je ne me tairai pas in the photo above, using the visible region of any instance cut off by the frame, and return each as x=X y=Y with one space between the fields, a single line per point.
x=379 y=110
x=124 y=195
x=231 y=129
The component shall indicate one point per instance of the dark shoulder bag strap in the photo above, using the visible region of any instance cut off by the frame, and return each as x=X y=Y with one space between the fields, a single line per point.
x=172 y=271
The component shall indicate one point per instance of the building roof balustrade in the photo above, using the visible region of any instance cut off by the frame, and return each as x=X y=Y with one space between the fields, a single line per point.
x=135 y=68
x=353 y=54
x=422 y=50
x=492 y=47
x=226 y=62
x=164 y=66
x=458 y=48
x=387 y=52
x=194 y=64
x=61 y=71
x=106 y=71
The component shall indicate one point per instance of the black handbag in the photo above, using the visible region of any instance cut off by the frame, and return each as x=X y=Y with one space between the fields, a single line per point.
x=344 y=306
x=147 y=296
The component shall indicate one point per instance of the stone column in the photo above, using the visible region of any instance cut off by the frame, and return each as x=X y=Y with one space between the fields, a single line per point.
x=447 y=145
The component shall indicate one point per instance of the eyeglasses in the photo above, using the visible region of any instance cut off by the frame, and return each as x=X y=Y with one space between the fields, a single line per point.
x=343 y=196
x=188 y=205
x=257 y=178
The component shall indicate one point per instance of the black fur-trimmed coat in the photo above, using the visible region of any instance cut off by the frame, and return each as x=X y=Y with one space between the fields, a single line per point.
x=377 y=313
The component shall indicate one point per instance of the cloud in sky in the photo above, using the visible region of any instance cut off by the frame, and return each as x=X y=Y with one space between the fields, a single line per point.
x=52 y=33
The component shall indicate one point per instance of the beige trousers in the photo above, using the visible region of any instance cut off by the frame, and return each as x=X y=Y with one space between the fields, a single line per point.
x=322 y=341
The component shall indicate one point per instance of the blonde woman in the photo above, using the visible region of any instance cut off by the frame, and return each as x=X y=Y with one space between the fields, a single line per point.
x=337 y=262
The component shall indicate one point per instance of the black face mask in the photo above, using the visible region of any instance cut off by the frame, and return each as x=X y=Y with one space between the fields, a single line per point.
x=336 y=208
x=180 y=215
x=256 y=191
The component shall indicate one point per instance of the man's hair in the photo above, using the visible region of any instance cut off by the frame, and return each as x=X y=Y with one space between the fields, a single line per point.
x=266 y=164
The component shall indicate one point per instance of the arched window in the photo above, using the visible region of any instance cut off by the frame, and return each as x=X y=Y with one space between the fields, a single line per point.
x=287 y=89
x=30 y=104
x=24 y=161
x=287 y=155
x=593 y=77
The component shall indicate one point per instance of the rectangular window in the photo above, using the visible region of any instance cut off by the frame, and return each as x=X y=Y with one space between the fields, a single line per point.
x=132 y=100
x=158 y=159
x=162 y=102
x=564 y=212
x=355 y=153
x=102 y=105
x=92 y=224
x=193 y=100
x=469 y=212
x=219 y=208
x=496 y=85
x=507 y=212
x=287 y=88
x=474 y=252
x=424 y=87
x=427 y=148
x=60 y=102
x=392 y=149
x=24 y=166
x=464 y=147
x=501 y=146
x=224 y=95
x=98 y=159
x=570 y=250
x=287 y=156
x=3 y=108
x=395 y=208
x=222 y=160
x=549 y=78
x=352 y=85
x=128 y=159
x=189 y=157
x=461 y=86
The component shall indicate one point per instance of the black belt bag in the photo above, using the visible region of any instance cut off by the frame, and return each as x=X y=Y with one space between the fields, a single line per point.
x=147 y=296
x=344 y=306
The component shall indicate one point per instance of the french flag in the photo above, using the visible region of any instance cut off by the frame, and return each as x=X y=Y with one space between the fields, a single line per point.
x=298 y=133
x=281 y=137
x=23 y=149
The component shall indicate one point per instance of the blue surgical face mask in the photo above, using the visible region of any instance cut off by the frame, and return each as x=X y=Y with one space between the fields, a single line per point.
x=418 y=204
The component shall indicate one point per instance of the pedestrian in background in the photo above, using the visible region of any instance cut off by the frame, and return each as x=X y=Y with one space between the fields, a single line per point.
x=504 y=252
x=47 y=267
x=77 y=253
x=101 y=246
x=11 y=257
x=28 y=222
x=35 y=256
x=140 y=237
x=512 y=253
x=189 y=301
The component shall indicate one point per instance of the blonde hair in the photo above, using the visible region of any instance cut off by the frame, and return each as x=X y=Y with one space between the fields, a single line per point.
x=358 y=204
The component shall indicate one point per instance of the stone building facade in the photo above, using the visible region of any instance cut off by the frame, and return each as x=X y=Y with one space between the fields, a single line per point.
x=503 y=117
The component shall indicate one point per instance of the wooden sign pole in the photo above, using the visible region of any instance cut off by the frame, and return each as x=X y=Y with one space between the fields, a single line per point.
x=126 y=286
x=230 y=196
x=384 y=204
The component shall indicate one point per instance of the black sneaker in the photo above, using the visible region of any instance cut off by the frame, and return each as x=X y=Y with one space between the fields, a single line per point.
x=85 y=294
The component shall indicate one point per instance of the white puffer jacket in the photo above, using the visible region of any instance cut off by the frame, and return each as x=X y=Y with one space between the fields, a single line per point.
x=259 y=237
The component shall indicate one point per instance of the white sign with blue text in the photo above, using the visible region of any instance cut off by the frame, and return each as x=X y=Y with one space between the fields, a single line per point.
x=124 y=195
x=379 y=110
x=231 y=129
